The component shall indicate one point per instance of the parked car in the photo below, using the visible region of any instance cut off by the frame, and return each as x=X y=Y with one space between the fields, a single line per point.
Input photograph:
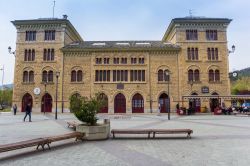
x=246 y=107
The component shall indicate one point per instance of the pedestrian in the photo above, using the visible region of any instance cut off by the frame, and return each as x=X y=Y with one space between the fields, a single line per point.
x=14 y=109
x=159 y=109
x=27 y=112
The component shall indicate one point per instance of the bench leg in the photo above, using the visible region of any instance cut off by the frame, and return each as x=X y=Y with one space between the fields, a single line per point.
x=153 y=134
x=38 y=146
x=113 y=135
x=189 y=135
x=148 y=134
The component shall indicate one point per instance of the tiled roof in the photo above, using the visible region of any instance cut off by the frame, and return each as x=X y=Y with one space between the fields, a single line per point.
x=146 y=44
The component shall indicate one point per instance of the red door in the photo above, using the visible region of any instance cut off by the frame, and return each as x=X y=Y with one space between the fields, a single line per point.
x=120 y=103
x=27 y=98
x=46 y=103
x=104 y=109
x=164 y=103
x=137 y=104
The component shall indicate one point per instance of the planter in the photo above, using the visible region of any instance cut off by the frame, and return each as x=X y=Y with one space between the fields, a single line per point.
x=98 y=132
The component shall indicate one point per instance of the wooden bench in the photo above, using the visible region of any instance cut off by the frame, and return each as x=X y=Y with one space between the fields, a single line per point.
x=24 y=144
x=76 y=135
x=41 y=141
x=153 y=131
x=131 y=131
x=172 y=131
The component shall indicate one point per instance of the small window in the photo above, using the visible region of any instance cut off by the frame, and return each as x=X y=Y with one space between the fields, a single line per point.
x=49 y=35
x=30 y=36
x=29 y=55
x=191 y=35
x=211 y=35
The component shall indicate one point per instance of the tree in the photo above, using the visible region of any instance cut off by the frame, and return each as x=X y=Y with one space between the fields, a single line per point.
x=86 y=109
x=6 y=97
x=241 y=86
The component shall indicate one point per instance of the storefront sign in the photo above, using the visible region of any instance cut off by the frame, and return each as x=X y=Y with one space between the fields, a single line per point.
x=204 y=89
x=120 y=86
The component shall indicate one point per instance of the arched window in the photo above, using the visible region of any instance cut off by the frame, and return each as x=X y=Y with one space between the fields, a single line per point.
x=44 y=54
x=33 y=55
x=73 y=76
x=160 y=75
x=44 y=76
x=50 y=76
x=208 y=54
x=79 y=76
x=25 y=76
x=196 y=75
x=217 y=75
x=190 y=75
x=189 y=53
x=31 y=76
x=166 y=75
x=216 y=54
x=211 y=75
x=29 y=55
x=26 y=55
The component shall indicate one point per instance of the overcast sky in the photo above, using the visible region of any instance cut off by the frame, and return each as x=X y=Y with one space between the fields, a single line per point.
x=125 y=20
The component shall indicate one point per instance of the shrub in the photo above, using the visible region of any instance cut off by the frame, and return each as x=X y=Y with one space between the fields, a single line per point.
x=86 y=109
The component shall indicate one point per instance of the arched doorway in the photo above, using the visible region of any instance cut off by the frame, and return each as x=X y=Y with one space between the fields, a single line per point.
x=195 y=103
x=46 y=103
x=104 y=97
x=137 y=104
x=214 y=102
x=164 y=103
x=120 y=103
x=27 y=98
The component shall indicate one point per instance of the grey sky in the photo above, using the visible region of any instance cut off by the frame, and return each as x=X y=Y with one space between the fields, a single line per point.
x=125 y=20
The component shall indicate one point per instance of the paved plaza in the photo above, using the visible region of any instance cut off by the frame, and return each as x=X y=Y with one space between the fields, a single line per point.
x=216 y=141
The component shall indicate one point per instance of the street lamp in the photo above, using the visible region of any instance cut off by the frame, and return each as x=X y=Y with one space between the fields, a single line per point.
x=11 y=52
x=44 y=102
x=168 y=79
x=57 y=75
x=233 y=49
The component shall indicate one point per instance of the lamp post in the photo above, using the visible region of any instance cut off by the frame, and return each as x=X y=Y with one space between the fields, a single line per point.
x=233 y=49
x=57 y=75
x=11 y=52
x=168 y=79
x=44 y=102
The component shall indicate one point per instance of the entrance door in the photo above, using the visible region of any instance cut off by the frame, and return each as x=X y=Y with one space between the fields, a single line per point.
x=137 y=104
x=195 y=103
x=27 y=98
x=164 y=103
x=104 y=109
x=46 y=103
x=214 y=102
x=120 y=103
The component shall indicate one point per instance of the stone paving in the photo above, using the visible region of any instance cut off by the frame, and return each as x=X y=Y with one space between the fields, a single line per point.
x=217 y=140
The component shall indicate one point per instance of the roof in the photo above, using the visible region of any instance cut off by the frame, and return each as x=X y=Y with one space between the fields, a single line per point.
x=121 y=45
x=49 y=21
x=192 y=19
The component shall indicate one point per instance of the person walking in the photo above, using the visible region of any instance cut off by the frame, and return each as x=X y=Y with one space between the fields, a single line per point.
x=27 y=112
x=14 y=109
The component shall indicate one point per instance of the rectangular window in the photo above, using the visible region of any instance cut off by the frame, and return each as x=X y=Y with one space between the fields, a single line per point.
x=191 y=34
x=211 y=35
x=141 y=60
x=96 y=75
x=143 y=75
x=192 y=53
x=131 y=75
x=114 y=75
x=49 y=35
x=108 y=75
x=106 y=61
x=30 y=36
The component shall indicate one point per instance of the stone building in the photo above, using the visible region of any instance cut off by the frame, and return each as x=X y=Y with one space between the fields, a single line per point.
x=53 y=63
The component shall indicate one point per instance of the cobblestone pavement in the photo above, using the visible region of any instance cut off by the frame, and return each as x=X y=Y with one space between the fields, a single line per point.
x=216 y=141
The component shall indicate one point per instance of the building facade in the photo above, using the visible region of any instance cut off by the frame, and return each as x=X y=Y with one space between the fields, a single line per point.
x=53 y=63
